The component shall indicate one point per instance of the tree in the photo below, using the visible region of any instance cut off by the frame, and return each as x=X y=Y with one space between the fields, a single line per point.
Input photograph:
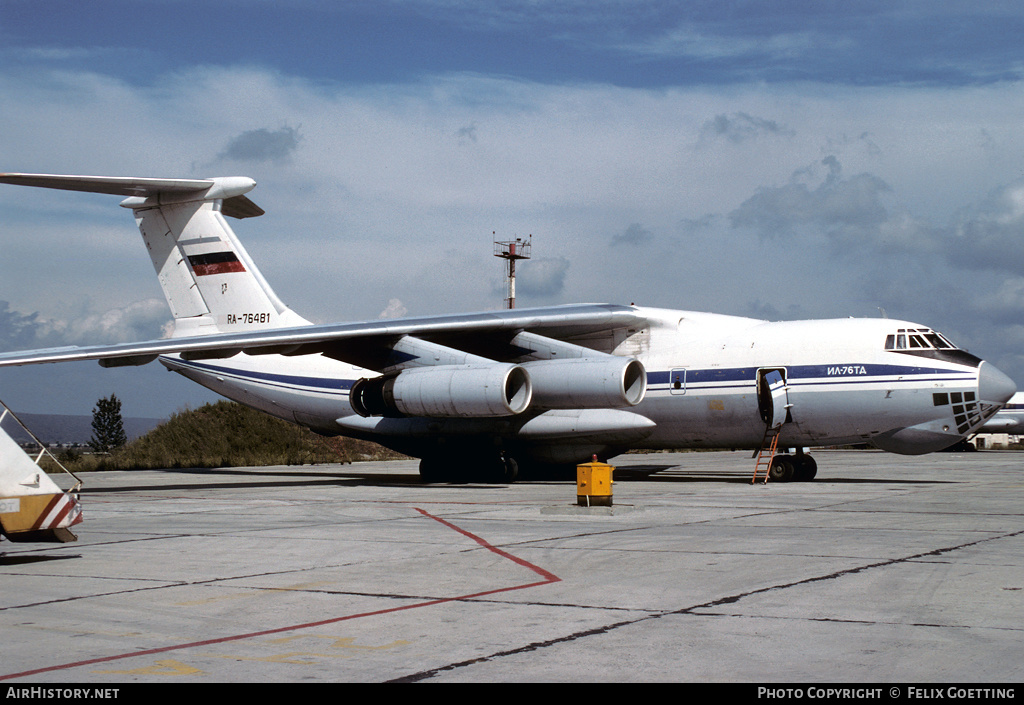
x=107 y=426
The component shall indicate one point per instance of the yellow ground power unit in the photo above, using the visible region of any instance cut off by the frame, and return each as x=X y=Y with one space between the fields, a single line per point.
x=594 y=484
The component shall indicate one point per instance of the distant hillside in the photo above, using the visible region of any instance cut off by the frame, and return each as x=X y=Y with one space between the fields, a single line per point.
x=226 y=434
x=68 y=429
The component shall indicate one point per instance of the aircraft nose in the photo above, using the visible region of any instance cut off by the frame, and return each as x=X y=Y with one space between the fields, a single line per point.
x=993 y=385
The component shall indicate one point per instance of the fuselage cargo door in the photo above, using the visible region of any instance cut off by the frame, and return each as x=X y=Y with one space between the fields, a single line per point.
x=772 y=396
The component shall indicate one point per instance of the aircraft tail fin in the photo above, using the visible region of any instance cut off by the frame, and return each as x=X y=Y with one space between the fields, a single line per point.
x=210 y=282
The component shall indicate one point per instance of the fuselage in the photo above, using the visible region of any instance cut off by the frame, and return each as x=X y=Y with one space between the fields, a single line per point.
x=847 y=381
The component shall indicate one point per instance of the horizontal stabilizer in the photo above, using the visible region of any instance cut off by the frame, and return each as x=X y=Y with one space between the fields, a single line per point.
x=114 y=185
x=228 y=189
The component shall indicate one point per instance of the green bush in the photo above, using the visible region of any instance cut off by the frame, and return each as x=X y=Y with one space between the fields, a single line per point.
x=226 y=434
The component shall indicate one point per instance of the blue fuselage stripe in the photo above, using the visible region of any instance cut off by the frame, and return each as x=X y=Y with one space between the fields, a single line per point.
x=695 y=379
x=332 y=384
x=809 y=375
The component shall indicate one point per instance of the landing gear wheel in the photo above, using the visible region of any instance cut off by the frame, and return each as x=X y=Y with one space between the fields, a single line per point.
x=511 y=469
x=504 y=470
x=782 y=469
x=434 y=470
x=459 y=469
x=806 y=468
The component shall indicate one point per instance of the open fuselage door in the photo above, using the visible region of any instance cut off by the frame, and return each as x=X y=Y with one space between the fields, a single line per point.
x=773 y=405
x=773 y=396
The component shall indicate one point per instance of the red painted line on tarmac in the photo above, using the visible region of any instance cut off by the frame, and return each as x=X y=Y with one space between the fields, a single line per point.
x=548 y=579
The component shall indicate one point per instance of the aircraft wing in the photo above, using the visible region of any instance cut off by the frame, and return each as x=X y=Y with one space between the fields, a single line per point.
x=357 y=343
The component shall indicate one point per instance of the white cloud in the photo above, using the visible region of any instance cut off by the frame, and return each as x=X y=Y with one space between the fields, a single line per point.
x=263 y=145
x=17 y=330
x=690 y=41
x=987 y=235
x=634 y=236
x=740 y=127
x=543 y=278
x=394 y=309
x=140 y=320
x=847 y=210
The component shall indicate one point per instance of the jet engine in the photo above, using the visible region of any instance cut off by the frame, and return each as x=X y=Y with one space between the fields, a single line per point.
x=597 y=383
x=445 y=391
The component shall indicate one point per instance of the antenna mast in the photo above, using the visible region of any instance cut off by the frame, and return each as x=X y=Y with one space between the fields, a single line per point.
x=512 y=250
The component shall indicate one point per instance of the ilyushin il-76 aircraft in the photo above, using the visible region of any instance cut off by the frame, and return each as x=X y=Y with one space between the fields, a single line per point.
x=480 y=395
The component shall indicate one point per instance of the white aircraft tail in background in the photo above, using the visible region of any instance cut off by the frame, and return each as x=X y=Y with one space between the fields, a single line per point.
x=1010 y=419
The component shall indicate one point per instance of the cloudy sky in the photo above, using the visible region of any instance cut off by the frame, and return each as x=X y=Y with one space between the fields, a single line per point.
x=791 y=159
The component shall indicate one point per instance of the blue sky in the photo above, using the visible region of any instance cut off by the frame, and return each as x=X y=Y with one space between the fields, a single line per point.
x=634 y=43
x=660 y=153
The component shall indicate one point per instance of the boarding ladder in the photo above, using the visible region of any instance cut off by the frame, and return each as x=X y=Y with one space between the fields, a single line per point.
x=766 y=453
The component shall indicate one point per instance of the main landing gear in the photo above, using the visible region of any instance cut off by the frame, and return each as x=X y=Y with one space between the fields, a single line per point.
x=787 y=468
x=499 y=469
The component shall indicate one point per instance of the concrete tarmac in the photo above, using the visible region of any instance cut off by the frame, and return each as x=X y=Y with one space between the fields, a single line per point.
x=885 y=569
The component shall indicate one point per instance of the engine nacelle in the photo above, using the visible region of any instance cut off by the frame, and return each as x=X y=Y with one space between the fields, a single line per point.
x=594 y=383
x=445 y=391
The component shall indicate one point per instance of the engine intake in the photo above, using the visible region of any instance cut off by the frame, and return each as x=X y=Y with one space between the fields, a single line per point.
x=445 y=391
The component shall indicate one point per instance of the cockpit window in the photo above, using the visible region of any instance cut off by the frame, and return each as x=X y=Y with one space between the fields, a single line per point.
x=926 y=343
x=917 y=339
